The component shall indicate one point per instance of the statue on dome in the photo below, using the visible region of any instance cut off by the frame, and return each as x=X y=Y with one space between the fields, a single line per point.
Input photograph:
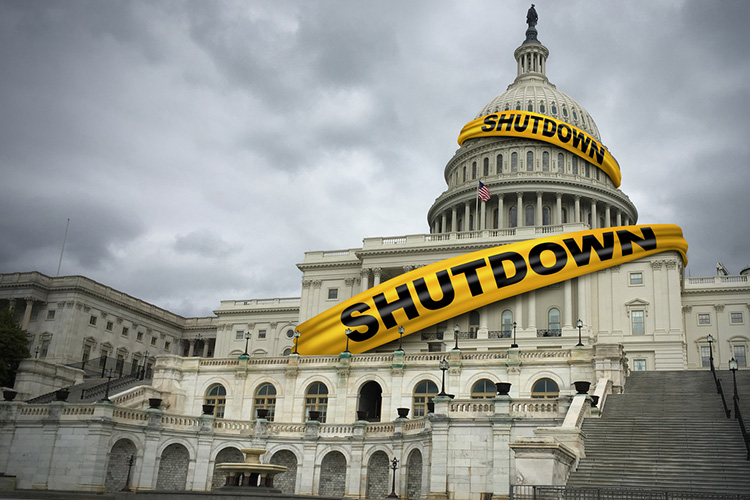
x=532 y=17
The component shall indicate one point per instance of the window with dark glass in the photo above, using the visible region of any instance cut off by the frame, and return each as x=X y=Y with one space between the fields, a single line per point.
x=316 y=399
x=216 y=395
x=529 y=215
x=513 y=217
x=423 y=394
x=529 y=161
x=545 y=388
x=483 y=389
x=514 y=162
x=545 y=161
x=265 y=399
x=499 y=164
x=486 y=166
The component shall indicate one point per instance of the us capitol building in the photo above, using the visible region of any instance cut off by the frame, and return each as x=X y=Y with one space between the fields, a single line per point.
x=235 y=380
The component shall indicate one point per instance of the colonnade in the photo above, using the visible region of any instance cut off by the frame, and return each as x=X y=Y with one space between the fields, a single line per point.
x=497 y=213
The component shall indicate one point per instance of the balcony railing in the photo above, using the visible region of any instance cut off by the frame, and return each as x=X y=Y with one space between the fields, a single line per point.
x=550 y=332
x=502 y=334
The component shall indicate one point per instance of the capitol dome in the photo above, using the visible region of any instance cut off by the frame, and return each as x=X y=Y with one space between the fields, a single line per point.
x=532 y=91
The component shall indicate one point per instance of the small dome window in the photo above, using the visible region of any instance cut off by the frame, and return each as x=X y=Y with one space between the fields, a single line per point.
x=541 y=107
x=554 y=109
x=565 y=112
x=518 y=106
x=507 y=106
x=575 y=115
x=530 y=107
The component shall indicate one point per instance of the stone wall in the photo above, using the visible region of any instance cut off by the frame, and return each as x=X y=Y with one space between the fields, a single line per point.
x=414 y=475
x=173 y=468
x=286 y=481
x=378 y=483
x=333 y=475
x=226 y=455
x=117 y=466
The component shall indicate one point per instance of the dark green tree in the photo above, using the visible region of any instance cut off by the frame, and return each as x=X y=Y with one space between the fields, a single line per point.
x=14 y=347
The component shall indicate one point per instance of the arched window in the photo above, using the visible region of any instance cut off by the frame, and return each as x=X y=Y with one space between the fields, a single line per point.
x=575 y=116
x=473 y=324
x=265 y=399
x=529 y=215
x=546 y=213
x=513 y=217
x=518 y=105
x=514 y=162
x=287 y=352
x=216 y=395
x=560 y=163
x=506 y=320
x=574 y=161
x=529 y=161
x=483 y=389
x=316 y=399
x=545 y=388
x=587 y=169
x=473 y=170
x=565 y=112
x=507 y=106
x=530 y=107
x=423 y=394
x=464 y=174
x=553 y=322
x=545 y=161
x=554 y=109
x=499 y=164
x=486 y=166
x=541 y=107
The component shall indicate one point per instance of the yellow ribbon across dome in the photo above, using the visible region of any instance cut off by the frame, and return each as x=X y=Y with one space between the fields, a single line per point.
x=528 y=125
x=446 y=289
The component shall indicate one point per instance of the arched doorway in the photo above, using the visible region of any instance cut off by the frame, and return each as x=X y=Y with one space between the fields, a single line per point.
x=173 y=468
x=117 y=466
x=414 y=475
x=333 y=475
x=230 y=454
x=371 y=400
x=377 y=476
x=286 y=481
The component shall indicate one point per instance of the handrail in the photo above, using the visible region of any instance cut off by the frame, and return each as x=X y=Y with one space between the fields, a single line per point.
x=738 y=416
x=723 y=399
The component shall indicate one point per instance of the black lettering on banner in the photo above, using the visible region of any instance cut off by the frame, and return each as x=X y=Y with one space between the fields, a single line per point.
x=371 y=322
x=647 y=242
x=404 y=301
x=549 y=128
x=517 y=124
x=489 y=120
x=501 y=279
x=582 y=139
x=470 y=270
x=560 y=133
x=582 y=254
x=536 y=120
x=446 y=287
x=535 y=258
x=599 y=150
x=508 y=121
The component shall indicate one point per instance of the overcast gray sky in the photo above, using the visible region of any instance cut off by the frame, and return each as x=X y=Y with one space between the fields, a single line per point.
x=200 y=148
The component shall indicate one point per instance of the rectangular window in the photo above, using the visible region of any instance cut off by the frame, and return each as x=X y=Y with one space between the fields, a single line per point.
x=638 y=323
x=51 y=314
x=639 y=365
x=167 y=345
x=125 y=331
x=239 y=335
x=139 y=336
x=704 y=319
x=333 y=293
x=92 y=321
x=739 y=355
x=109 y=326
x=153 y=340
x=735 y=318
x=261 y=334
x=34 y=315
x=45 y=348
x=636 y=278
x=705 y=357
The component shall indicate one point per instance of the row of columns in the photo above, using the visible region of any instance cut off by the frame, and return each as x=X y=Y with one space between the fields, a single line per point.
x=12 y=304
x=450 y=219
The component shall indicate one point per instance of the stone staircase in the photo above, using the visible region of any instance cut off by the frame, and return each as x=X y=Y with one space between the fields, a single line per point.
x=93 y=389
x=668 y=431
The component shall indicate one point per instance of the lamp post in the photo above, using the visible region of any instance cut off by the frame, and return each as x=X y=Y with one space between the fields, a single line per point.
x=106 y=390
x=456 y=333
x=514 y=336
x=443 y=366
x=131 y=461
x=394 y=466
x=36 y=353
x=579 y=325
x=245 y=355
x=733 y=365
x=710 y=340
x=297 y=335
x=400 y=337
x=347 y=332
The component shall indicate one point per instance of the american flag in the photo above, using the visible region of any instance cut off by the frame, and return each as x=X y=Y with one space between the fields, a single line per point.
x=484 y=193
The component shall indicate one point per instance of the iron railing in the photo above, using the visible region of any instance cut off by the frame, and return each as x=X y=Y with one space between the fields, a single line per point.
x=530 y=492
x=552 y=332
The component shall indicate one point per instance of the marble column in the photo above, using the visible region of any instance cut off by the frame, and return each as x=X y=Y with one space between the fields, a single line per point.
x=365 y=275
x=467 y=216
x=454 y=220
x=376 y=273
x=500 y=210
x=538 y=219
x=577 y=210
x=558 y=208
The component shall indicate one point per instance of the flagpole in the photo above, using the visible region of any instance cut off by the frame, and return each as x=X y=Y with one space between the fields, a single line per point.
x=476 y=214
x=63 y=247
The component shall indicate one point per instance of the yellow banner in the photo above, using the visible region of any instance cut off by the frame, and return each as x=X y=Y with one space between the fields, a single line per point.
x=446 y=289
x=516 y=123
